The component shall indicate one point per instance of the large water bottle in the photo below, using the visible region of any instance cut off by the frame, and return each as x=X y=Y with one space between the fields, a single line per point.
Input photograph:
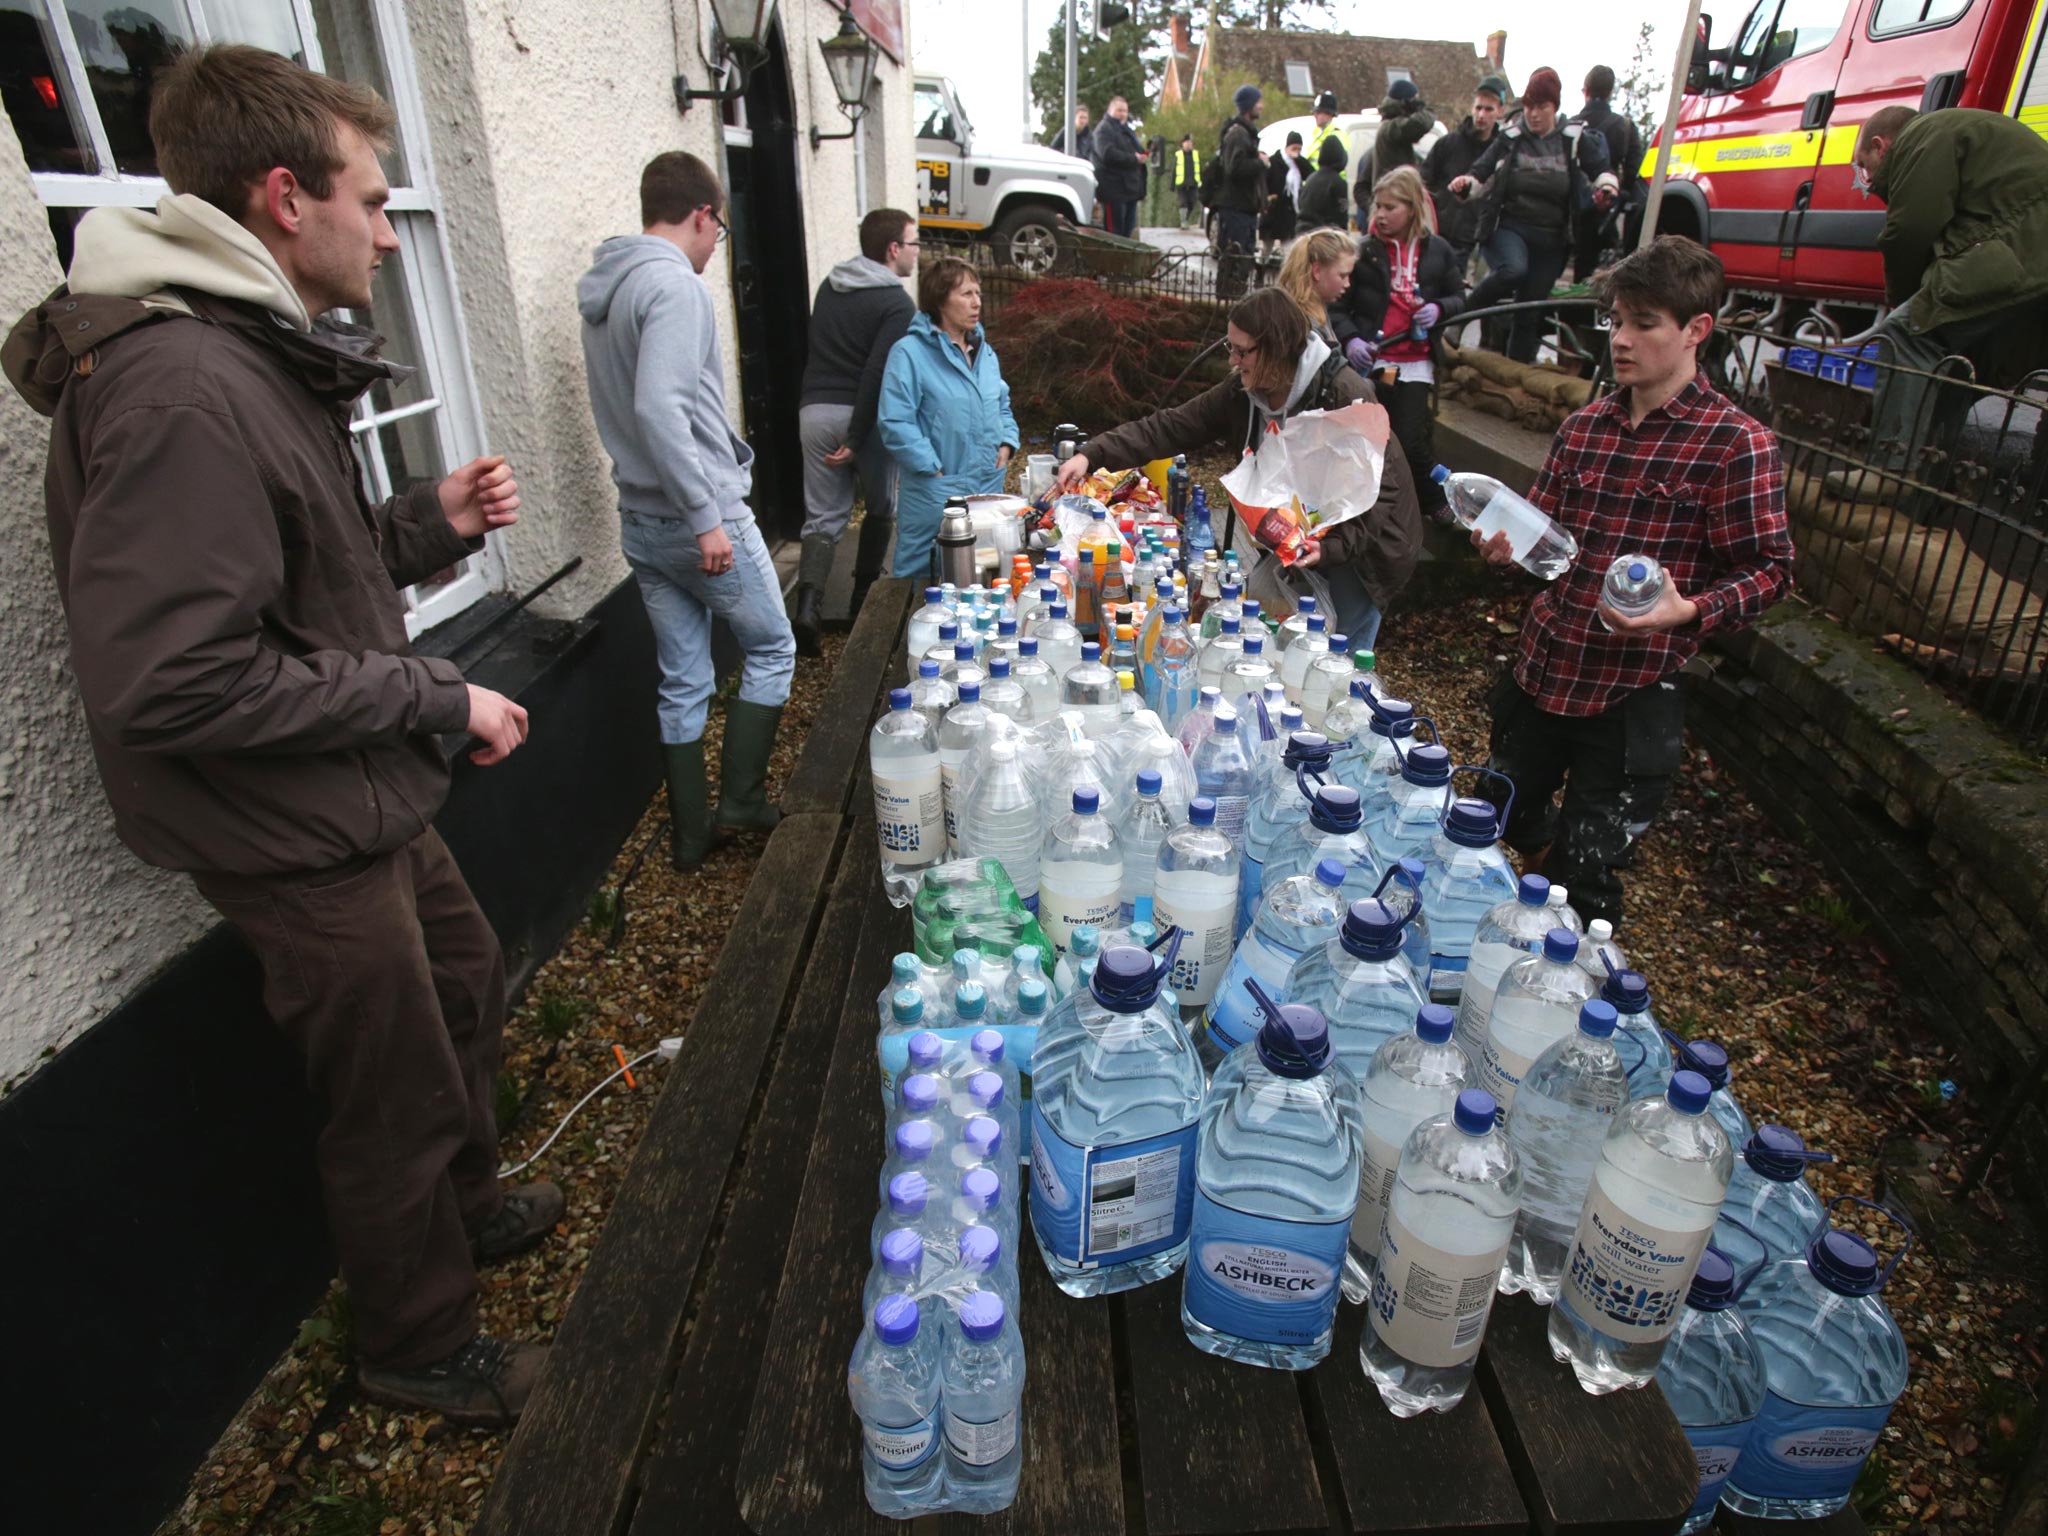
x=1633 y=586
x=1361 y=982
x=1371 y=762
x=1039 y=596
x=1328 y=680
x=1199 y=722
x=924 y=626
x=1002 y=694
x=1115 y=1093
x=982 y=1386
x=1143 y=830
x=965 y=665
x=1002 y=820
x=1219 y=651
x=1248 y=672
x=1332 y=830
x=1036 y=678
x=1407 y=820
x=1089 y=689
x=1059 y=641
x=1195 y=891
x=1411 y=1078
x=910 y=817
x=1537 y=1005
x=1644 y=1050
x=1712 y=1376
x=1511 y=930
x=930 y=694
x=1280 y=799
x=1771 y=1211
x=1298 y=649
x=1448 y=1224
x=1080 y=872
x=1276 y=1183
x=1834 y=1362
x=965 y=724
x=1663 y=1173
x=1223 y=773
x=1482 y=504
x=1710 y=1059
x=1468 y=875
x=1005 y=645
x=1563 y=1111
x=1295 y=916
x=894 y=1383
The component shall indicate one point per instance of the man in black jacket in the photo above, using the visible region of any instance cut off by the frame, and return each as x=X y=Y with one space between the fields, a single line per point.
x=1451 y=156
x=1119 y=169
x=861 y=311
x=1241 y=193
x=1624 y=157
x=1080 y=142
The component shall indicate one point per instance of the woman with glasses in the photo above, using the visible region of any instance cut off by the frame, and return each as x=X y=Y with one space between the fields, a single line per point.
x=1279 y=368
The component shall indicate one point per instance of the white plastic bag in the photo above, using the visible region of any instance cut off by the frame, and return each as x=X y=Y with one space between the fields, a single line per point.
x=1319 y=469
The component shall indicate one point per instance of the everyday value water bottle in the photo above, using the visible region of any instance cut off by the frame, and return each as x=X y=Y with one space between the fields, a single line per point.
x=1712 y=1376
x=1328 y=680
x=1089 y=689
x=1116 y=1091
x=1771 y=1211
x=1510 y=931
x=1563 y=1111
x=1223 y=773
x=910 y=823
x=924 y=626
x=1536 y=1005
x=1448 y=1224
x=1080 y=872
x=1296 y=915
x=1276 y=1175
x=1663 y=1173
x=1280 y=799
x=1468 y=874
x=1361 y=981
x=1633 y=586
x=930 y=694
x=1002 y=822
x=1195 y=890
x=1411 y=1078
x=1482 y=504
x=1144 y=829
x=982 y=1388
x=894 y=1383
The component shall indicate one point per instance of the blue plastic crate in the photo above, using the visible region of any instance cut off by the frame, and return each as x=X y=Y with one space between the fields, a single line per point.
x=1836 y=367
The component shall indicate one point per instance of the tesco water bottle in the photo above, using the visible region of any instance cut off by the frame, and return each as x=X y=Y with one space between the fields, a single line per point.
x=894 y=1383
x=1512 y=930
x=982 y=1387
x=1036 y=678
x=1448 y=1224
x=1116 y=1090
x=1059 y=641
x=1144 y=829
x=1361 y=981
x=1248 y=672
x=1089 y=689
x=1482 y=504
x=1195 y=891
x=1834 y=1363
x=930 y=694
x=1468 y=874
x=1001 y=820
x=1563 y=1111
x=1223 y=773
x=1634 y=585
x=1644 y=1050
x=1276 y=1174
x=1710 y=1060
x=1218 y=652
x=1411 y=1078
x=924 y=626
x=1296 y=915
x=1328 y=680
x=1712 y=1376
x=1771 y=1210
x=1080 y=872
x=910 y=823
x=1663 y=1173
x=1537 y=1005
x=1280 y=799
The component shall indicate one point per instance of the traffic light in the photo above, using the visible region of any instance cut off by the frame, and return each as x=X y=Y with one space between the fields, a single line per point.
x=1109 y=14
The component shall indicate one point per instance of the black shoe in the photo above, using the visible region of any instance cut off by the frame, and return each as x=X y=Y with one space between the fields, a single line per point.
x=486 y=1382
x=525 y=1219
x=805 y=623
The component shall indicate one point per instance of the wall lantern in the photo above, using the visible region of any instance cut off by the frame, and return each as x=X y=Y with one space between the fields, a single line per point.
x=850 y=61
x=742 y=37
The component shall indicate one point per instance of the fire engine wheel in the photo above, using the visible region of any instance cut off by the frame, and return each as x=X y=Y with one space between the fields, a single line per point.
x=1032 y=238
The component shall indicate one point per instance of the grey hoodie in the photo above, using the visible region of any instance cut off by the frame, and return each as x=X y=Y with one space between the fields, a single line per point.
x=657 y=384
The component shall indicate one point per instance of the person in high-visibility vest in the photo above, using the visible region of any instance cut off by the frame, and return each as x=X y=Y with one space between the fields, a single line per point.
x=1187 y=178
x=1326 y=128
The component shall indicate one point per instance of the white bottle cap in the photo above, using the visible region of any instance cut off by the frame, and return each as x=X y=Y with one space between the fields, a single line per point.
x=1599 y=930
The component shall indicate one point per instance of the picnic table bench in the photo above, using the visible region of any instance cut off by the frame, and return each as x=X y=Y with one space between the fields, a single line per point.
x=698 y=1380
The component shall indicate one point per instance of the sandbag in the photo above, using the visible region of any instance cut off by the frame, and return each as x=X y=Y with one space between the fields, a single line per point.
x=1927 y=585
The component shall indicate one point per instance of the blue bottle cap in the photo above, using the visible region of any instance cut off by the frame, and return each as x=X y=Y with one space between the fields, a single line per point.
x=1434 y=1022
x=983 y=1136
x=1171 y=614
x=925 y=1049
x=1254 y=644
x=1330 y=872
x=1251 y=608
x=963 y=650
x=899 y=698
x=966 y=963
x=932 y=596
x=1842 y=1262
x=927 y=669
x=1201 y=812
x=1472 y=823
x=903 y=970
x=1596 y=1019
x=987 y=1044
x=1294 y=1041
x=902 y=1251
x=1637 y=571
x=1031 y=998
x=1475 y=1111
x=1085 y=939
x=1391 y=718
x=1560 y=946
x=1305 y=604
x=1059 y=610
x=948 y=630
x=1211 y=696
x=1772 y=1152
x=986 y=1089
x=980 y=1188
x=1318 y=623
x=1226 y=722
x=1090 y=651
x=1230 y=590
x=1339 y=644
x=1006 y=627
x=1028 y=646
x=908 y=1193
x=919 y=1093
x=1713 y=1283
x=1708 y=1059
x=1126 y=978
x=1087 y=802
x=970 y=693
x=1336 y=808
x=1688 y=1093
x=1372 y=930
x=1411 y=870
x=1533 y=891
x=981 y=1316
x=1290 y=717
x=896 y=1319
x=998 y=666
x=1629 y=991
x=969 y=999
x=1428 y=764
x=1149 y=781
x=907 y=1005
x=980 y=1248
x=1231 y=624
x=1440 y=474
x=915 y=1140
x=1305 y=747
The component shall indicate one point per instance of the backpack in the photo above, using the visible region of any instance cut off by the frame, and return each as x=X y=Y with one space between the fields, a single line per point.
x=1211 y=184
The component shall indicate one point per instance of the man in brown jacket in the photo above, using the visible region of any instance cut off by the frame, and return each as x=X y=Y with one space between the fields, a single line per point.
x=259 y=719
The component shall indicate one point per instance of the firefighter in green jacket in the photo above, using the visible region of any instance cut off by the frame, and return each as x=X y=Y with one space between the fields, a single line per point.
x=1187 y=178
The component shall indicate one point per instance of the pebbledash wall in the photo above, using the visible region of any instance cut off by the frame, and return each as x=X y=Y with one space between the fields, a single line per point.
x=539 y=115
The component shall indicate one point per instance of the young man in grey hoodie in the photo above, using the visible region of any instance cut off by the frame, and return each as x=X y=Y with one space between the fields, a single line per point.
x=861 y=311
x=657 y=388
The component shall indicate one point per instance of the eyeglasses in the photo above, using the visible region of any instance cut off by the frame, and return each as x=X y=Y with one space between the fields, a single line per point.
x=1239 y=354
x=909 y=245
x=724 y=229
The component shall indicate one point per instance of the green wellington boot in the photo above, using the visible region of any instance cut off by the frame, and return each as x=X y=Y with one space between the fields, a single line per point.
x=870 y=555
x=743 y=780
x=813 y=570
x=692 y=835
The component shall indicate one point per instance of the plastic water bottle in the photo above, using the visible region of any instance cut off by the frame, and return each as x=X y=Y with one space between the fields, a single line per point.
x=1070 y=973
x=1769 y=1201
x=970 y=1002
x=1370 y=762
x=980 y=1142
x=1563 y=1111
x=1468 y=875
x=1301 y=640
x=1218 y=652
x=1035 y=677
x=1039 y=595
x=1276 y=1183
x=924 y=626
x=1600 y=954
x=987 y=1051
x=1027 y=963
x=1407 y=820
x=982 y=1387
x=1566 y=916
x=1482 y=504
x=1361 y=982
x=1511 y=930
x=1448 y=1224
x=1201 y=534
x=906 y=1017
x=1143 y=830
x=1002 y=694
x=983 y=1197
x=1080 y=872
x=1710 y=1060
x=1001 y=820
x=1005 y=645
x=1662 y=1175
x=987 y=1263
x=1328 y=680
x=1228 y=605
x=1089 y=689
x=1634 y=585
x=1171 y=668
x=965 y=667
x=1059 y=641
x=1537 y=1005
x=1277 y=720
x=912 y=1146
x=898 y=1269
x=1644 y=1050
x=965 y=724
x=1280 y=799
x=1332 y=830
x=911 y=1201
x=930 y=694
x=1116 y=1090
x=1834 y=1363
x=1712 y=1376
x=1195 y=890
x=1224 y=774
x=1411 y=1078
x=910 y=823
x=894 y=1383
x=1200 y=721
x=1248 y=672
x=1295 y=916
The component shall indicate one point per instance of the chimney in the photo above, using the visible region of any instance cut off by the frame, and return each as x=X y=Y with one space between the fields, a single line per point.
x=1497 y=53
x=1179 y=46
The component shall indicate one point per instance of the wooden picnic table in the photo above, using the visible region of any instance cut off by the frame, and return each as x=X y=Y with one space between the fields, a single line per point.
x=698 y=1380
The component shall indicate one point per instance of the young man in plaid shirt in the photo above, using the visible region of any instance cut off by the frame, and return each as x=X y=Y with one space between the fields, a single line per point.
x=1664 y=466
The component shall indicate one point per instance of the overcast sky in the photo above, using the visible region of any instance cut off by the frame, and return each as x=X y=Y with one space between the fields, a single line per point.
x=977 y=41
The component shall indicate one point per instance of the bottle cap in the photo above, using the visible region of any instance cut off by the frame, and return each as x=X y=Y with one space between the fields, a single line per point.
x=918 y=1092
x=987 y=1044
x=902 y=1251
x=1317 y=623
x=1123 y=631
x=1392 y=717
x=1637 y=571
x=926 y=1049
x=1305 y=605
x=1226 y=722
x=1006 y=627
x=1031 y=998
x=1231 y=624
x=983 y=1136
x=1596 y=1019
x=1428 y=764
x=1560 y=945
x=1532 y=891
x=1295 y=1039
x=1434 y=1022
x=927 y=668
x=899 y=698
x=1251 y=607
x=985 y=1088
x=903 y=970
x=1028 y=646
x=970 y=998
x=906 y=1005
x=1149 y=781
x=998 y=666
x=1254 y=644
x=896 y=1319
x=1126 y=679
x=1212 y=696
x=970 y=692
x=915 y=1140
x=1440 y=474
x=1090 y=651
x=932 y=595
x=1471 y=822
x=1708 y=1059
x=1085 y=940
x=1372 y=930
x=949 y=630
x=1773 y=1152
x=980 y=1248
x=908 y=1193
x=1713 y=1283
x=1475 y=1111
x=1599 y=930
x=1086 y=802
x=1172 y=614
x=1059 y=610
x=1336 y=808
x=1688 y=1093
x=1339 y=644
x=981 y=1316
x=1330 y=872
x=1843 y=1262
x=1201 y=812
x=1628 y=991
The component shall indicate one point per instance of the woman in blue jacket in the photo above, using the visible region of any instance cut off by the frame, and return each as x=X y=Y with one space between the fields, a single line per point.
x=945 y=410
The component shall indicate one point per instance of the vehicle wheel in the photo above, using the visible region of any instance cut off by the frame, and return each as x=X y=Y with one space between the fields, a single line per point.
x=1033 y=238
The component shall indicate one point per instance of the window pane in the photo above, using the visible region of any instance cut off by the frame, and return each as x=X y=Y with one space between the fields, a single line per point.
x=1805 y=26
x=268 y=24
x=36 y=94
x=393 y=306
x=349 y=51
x=1905 y=15
x=124 y=43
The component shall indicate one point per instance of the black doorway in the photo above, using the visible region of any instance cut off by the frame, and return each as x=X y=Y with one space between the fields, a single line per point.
x=771 y=289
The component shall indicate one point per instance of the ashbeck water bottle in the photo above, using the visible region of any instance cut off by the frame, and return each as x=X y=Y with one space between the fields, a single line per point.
x=894 y=1383
x=1115 y=1093
x=1771 y=1211
x=1468 y=875
x=1328 y=680
x=1563 y=1111
x=1662 y=1175
x=1080 y=872
x=1295 y=916
x=1512 y=930
x=1834 y=1364
x=1482 y=504
x=1634 y=585
x=1362 y=981
x=1280 y=799
x=1710 y=1060
x=1411 y=1078
x=1195 y=890
x=982 y=1387
x=1448 y=1224
x=1712 y=1376
x=1143 y=831
x=1297 y=651
x=1223 y=773
x=1536 y=1005
x=1276 y=1176
x=910 y=822
x=924 y=626
x=1407 y=819
x=1089 y=689
x=930 y=694
x=1001 y=820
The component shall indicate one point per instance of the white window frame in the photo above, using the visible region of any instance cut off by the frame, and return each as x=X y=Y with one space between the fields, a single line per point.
x=1295 y=68
x=1396 y=72
x=437 y=317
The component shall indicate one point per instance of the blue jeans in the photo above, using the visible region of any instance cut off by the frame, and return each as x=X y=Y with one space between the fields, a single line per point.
x=1358 y=616
x=681 y=602
x=1522 y=265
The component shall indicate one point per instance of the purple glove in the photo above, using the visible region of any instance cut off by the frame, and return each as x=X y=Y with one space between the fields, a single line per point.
x=1360 y=353
x=1427 y=316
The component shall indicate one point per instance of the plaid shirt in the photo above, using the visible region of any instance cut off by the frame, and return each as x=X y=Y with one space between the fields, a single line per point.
x=1698 y=487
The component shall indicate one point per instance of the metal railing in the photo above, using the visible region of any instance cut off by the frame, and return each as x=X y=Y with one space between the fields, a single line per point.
x=1192 y=276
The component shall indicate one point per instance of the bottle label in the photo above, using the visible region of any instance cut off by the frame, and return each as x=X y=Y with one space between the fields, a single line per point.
x=1627 y=1277
x=1230 y=814
x=899 y=1450
x=1071 y=895
x=1447 y=977
x=1206 y=906
x=981 y=1445
x=909 y=814
x=1430 y=1305
x=1234 y=1015
x=1796 y=1451
x=1108 y=1205
x=1501 y=1071
x=1263 y=1278
x=1507 y=513
x=951 y=761
x=1375 y=1188
x=1716 y=1447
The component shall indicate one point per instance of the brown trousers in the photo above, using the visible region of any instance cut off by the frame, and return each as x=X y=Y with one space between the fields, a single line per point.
x=387 y=978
